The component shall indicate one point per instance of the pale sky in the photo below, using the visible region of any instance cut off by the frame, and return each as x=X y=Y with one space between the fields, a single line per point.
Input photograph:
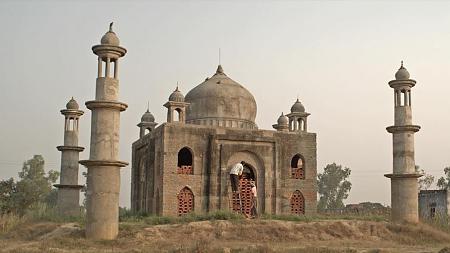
x=336 y=56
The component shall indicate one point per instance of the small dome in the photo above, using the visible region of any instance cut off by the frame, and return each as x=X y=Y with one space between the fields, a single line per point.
x=147 y=117
x=72 y=105
x=110 y=38
x=402 y=73
x=283 y=120
x=176 y=96
x=297 y=107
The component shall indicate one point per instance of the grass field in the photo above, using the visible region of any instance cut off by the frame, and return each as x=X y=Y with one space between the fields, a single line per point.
x=224 y=232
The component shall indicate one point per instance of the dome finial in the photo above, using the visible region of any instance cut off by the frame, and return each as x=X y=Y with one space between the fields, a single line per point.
x=176 y=89
x=110 y=26
x=402 y=73
x=148 y=106
x=219 y=69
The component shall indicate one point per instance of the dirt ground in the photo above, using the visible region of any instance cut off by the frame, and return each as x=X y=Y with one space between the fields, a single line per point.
x=337 y=236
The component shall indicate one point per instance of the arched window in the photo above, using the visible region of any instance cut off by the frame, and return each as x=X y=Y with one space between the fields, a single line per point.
x=300 y=124
x=185 y=201
x=177 y=114
x=184 y=165
x=297 y=203
x=297 y=167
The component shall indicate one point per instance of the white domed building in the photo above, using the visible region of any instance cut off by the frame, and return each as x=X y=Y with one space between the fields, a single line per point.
x=183 y=165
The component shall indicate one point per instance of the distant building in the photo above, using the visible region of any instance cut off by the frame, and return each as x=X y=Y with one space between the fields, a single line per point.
x=434 y=203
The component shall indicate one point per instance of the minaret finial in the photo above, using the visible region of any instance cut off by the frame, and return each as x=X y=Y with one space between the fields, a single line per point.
x=110 y=26
x=148 y=106
x=219 y=56
x=401 y=64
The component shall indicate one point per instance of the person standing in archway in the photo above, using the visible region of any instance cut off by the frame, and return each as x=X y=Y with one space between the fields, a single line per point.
x=253 y=212
x=235 y=173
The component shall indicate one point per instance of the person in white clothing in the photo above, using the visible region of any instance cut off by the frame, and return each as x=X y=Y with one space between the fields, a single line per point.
x=253 y=212
x=235 y=173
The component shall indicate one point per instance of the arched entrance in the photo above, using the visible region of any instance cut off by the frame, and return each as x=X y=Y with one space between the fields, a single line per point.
x=185 y=201
x=297 y=203
x=244 y=203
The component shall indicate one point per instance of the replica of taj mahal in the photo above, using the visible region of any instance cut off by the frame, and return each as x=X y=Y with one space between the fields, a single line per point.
x=183 y=165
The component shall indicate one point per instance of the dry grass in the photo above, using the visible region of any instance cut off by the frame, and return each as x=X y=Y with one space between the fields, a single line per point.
x=341 y=236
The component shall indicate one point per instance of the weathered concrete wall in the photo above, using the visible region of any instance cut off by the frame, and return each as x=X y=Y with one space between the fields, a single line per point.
x=215 y=150
x=403 y=152
x=102 y=199
x=404 y=207
x=437 y=199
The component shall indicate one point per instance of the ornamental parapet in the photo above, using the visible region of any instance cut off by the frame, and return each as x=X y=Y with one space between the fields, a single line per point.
x=74 y=148
x=402 y=83
x=399 y=129
x=106 y=104
x=403 y=175
x=89 y=163
x=68 y=186
x=105 y=50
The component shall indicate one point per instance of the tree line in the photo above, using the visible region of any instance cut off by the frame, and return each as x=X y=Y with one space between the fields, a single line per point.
x=34 y=186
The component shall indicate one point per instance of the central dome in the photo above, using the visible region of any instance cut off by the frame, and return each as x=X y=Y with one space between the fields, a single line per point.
x=220 y=101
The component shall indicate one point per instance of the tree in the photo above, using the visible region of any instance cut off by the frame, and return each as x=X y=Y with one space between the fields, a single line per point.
x=34 y=186
x=444 y=182
x=333 y=186
x=426 y=180
x=7 y=191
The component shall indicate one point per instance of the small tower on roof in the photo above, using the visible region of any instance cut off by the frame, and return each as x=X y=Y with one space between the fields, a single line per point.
x=176 y=105
x=282 y=123
x=147 y=123
x=404 y=200
x=68 y=188
x=298 y=118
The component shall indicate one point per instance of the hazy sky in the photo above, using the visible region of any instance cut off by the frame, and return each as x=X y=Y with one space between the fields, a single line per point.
x=336 y=56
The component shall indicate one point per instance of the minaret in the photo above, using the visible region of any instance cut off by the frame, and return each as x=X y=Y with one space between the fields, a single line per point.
x=103 y=176
x=176 y=107
x=68 y=202
x=404 y=200
x=298 y=118
x=147 y=123
x=282 y=123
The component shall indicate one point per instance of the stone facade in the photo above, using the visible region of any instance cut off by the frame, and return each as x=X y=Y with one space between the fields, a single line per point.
x=404 y=177
x=192 y=157
x=434 y=203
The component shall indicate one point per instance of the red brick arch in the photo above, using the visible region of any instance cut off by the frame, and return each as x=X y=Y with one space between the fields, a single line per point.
x=297 y=203
x=185 y=201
